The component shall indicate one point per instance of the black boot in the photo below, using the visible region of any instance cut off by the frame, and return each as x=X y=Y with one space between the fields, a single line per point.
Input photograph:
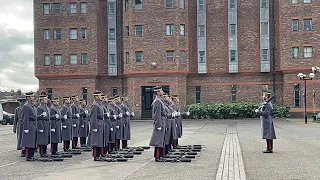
x=267 y=151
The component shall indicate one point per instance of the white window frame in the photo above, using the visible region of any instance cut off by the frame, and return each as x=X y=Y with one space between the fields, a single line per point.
x=264 y=3
x=264 y=28
x=56 y=34
x=295 y=25
x=295 y=52
x=182 y=4
x=72 y=8
x=202 y=57
x=136 y=30
x=170 y=58
x=73 y=33
x=84 y=57
x=46 y=34
x=233 y=29
x=112 y=59
x=57 y=59
x=54 y=9
x=73 y=59
x=265 y=55
x=310 y=24
x=202 y=30
x=83 y=7
x=112 y=34
x=111 y=8
x=138 y=6
x=233 y=54
x=169 y=4
x=182 y=29
x=307 y=1
x=141 y=54
x=46 y=8
x=307 y=52
x=169 y=29
x=232 y=4
x=294 y=1
x=46 y=60
x=84 y=32
x=201 y=5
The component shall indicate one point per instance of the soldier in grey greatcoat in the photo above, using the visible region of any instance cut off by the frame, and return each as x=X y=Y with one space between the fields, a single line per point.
x=29 y=123
x=17 y=125
x=268 y=132
x=170 y=130
x=103 y=104
x=55 y=129
x=126 y=134
x=66 y=120
x=43 y=123
x=178 y=119
x=75 y=120
x=96 y=134
x=159 y=128
x=84 y=123
x=119 y=122
x=110 y=133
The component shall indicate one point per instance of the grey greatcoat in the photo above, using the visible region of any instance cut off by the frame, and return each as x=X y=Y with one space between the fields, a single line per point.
x=178 y=120
x=96 y=139
x=157 y=138
x=29 y=122
x=169 y=124
x=66 y=131
x=18 y=127
x=83 y=123
x=125 y=122
x=119 y=122
x=111 y=125
x=55 y=124
x=75 y=119
x=268 y=131
x=43 y=138
x=106 y=127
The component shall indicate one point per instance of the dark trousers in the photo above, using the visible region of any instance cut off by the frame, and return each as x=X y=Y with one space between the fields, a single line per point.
x=105 y=149
x=43 y=149
x=124 y=143
x=269 y=144
x=158 y=152
x=54 y=148
x=66 y=145
x=111 y=147
x=175 y=143
x=117 y=144
x=96 y=151
x=29 y=152
x=23 y=152
x=74 y=142
x=83 y=140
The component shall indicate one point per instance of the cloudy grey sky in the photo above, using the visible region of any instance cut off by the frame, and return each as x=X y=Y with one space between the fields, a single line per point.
x=16 y=46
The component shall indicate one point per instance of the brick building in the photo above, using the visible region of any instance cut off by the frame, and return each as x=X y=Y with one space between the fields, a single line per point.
x=204 y=50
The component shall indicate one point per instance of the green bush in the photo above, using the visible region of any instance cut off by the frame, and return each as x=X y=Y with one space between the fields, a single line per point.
x=232 y=110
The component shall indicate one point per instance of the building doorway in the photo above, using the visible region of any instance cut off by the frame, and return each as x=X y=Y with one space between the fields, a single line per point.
x=147 y=99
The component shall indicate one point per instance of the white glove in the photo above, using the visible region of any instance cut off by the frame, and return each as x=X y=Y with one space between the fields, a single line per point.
x=120 y=115
x=82 y=126
x=173 y=114
x=64 y=127
x=176 y=125
x=65 y=117
x=132 y=113
x=188 y=113
x=179 y=114
x=108 y=114
x=53 y=130
x=57 y=116
x=26 y=131
x=95 y=130
x=75 y=125
x=159 y=128
x=111 y=129
x=114 y=116
x=257 y=110
x=44 y=114
x=117 y=127
x=77 y=115
x=264 y=103
x=41 y=131
x=86 y=111
x=124 y=125
x=127 y=113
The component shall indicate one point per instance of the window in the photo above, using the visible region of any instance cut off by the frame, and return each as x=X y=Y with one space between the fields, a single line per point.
x=201 y=31
x=307 y=24
x=198 y=94
x=84 y=33
x=73 y=34
x=112 y=34
x=307 y=52
x=232 y=29
x=170 y=55
x=182 y=55
x=139 y=56
x=264 y=3
x=112 y=59
x=182 y=29
x=169 y=3
x=56 y=8
x=84 y=58
x=201 y=5
x=83 y=7
x=169 y=29
x=72 y=8
x=202 y=58
x=46 y=8
x=233 y=93
x=127 y=58
x=294 y=1
x=295 y=52
x=57 y=60
x=127 y=32
x=111 y=8
x=57 y=34
x=264 y=28
x=138 y=30
x=73 y=59
x=295 y=25
x=233 y=55
x=307 y=1
x=85 y=93
x=49 y=93
x=137 y=4
x=126 y=6
x=114 y=91
x=46 y=34
x=232 y=4
x=46 y=59
x=182 y=4
x=296 y=94
x=265 y=55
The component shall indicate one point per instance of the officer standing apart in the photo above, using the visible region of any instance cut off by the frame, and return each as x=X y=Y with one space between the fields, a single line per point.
x=265 y=113
x=17 y=125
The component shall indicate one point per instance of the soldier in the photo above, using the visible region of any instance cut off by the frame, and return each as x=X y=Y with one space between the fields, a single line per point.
x=126 y=135
x=29 y=135
x=43 y=123
x=119 y=126
x=75 y=121
x=158 y=134
x=84 y=123
x=17 y=125
x=178 y=120
x=103 y=104
x=265 y=113
x=111 y=126
x=55 y=119
x=67 y=122
x=96 y=136
x=170 y=131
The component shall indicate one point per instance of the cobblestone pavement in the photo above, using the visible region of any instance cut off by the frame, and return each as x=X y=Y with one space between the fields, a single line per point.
x=233 y=150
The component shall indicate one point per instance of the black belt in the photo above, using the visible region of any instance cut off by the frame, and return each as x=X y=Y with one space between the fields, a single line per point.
x=100 y=119
x=32 y=120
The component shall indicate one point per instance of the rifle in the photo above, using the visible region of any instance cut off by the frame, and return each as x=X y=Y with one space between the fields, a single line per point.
x=266 y=102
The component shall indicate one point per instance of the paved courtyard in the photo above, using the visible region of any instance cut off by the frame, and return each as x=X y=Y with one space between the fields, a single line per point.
x=233 y=150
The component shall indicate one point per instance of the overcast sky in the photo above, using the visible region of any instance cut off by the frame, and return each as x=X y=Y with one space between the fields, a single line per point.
x=16 y=46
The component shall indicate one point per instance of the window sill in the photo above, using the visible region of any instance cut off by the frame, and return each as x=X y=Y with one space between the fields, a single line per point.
x=302 y=59
x=139 y=63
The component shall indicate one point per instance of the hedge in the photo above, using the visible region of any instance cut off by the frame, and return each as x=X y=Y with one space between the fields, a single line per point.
x=232 y=110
